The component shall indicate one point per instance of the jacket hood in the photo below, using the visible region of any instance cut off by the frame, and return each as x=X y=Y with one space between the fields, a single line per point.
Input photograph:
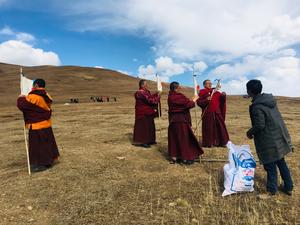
x=264 y=99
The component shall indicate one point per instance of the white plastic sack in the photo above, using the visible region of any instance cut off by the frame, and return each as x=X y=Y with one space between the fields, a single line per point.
x=239 y=172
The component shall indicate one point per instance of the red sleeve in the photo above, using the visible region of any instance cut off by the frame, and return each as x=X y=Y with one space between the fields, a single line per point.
x=202 y=100
x=181 y=102
x=149 y=98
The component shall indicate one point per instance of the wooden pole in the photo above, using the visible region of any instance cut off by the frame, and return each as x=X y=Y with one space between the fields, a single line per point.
x=159 y=119
x=25 y=133
x=27 y=151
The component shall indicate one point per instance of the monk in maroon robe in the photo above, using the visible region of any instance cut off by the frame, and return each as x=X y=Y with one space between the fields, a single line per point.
x=213 y=104
x=36 y=110
x=182 y=143
x=145 y=111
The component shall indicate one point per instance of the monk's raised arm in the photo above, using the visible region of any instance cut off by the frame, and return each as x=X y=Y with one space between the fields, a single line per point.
x=149 y=98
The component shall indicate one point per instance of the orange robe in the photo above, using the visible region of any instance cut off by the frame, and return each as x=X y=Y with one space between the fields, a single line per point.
x=37 y=115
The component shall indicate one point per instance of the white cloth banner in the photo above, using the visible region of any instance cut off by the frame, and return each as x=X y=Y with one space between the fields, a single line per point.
x=159 y=85
x=26 y=85
x=196 y=87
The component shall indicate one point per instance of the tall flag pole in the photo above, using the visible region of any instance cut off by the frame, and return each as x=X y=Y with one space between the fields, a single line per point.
x=159 y=85
x=196 y=87
x=159 y=89
x=25 y=86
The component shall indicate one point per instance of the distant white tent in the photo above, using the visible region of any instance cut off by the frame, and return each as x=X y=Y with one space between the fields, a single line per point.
x=25 y=84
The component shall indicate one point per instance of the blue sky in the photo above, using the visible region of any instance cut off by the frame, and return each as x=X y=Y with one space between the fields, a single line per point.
x=119 y=51
x=218 y=39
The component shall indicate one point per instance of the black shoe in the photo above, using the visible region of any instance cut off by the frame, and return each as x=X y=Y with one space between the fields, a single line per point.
x=142 y=145
x=37 y=168
x=188 y=162
x=145 y=145
x=177 y=161
x=284 y=190
x=152 y=143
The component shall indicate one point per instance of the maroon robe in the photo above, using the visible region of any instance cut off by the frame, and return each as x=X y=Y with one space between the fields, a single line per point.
x=145 y=112
x=182 y=143
x=214 y=132
x=42 y=145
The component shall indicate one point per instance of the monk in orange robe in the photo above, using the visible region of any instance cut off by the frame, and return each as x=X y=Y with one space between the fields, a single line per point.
x=36 y=108
x=213 y=104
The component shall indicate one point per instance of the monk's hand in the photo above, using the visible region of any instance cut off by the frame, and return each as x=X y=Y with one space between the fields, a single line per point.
x=249 y=135
x=209 y=98
x=195 y=98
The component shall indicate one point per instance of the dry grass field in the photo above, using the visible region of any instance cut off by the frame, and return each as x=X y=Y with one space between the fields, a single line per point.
x=103 y=179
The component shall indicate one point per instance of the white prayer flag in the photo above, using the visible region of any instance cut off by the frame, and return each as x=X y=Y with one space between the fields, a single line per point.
x=159 y=85
x=26 y=84
x=196 y=86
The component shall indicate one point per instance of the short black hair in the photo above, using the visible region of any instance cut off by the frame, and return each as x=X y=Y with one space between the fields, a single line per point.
x=40 y=82
x=174 y=85
x=204 y=82
x=142 y=82
x=254 y=86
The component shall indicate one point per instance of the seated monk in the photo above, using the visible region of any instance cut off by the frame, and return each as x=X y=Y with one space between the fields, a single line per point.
x=36 y=108
x=183 y=146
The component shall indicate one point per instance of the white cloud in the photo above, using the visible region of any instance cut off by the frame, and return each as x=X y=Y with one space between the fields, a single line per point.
x=200 y=66
x=279 y=73
x=6 y=31
x=25 y=37
x=165 y=67
x=19 y=49
x=20 y=36
x=125 y=72
x=195 y=28
x=18 y=52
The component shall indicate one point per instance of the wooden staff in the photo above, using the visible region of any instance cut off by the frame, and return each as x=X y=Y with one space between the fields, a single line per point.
x=27 y=151
x=159 y=89
x=24 y=128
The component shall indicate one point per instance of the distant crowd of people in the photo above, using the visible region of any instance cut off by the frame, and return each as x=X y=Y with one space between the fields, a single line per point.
x=96 y=99
x=103 y=99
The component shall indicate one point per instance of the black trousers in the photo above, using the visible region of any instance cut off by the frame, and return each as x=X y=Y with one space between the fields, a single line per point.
x=285 y=174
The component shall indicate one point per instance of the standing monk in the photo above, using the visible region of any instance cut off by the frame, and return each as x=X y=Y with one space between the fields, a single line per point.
x=37 y=116
x=213 y=104
x=182 y=143
x=145 y=112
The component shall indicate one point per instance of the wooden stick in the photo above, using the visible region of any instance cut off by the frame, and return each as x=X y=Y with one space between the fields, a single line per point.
x=159 y=118
x=27 y=151
x=196 y=128
x=24 y=128
x=214 y=160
